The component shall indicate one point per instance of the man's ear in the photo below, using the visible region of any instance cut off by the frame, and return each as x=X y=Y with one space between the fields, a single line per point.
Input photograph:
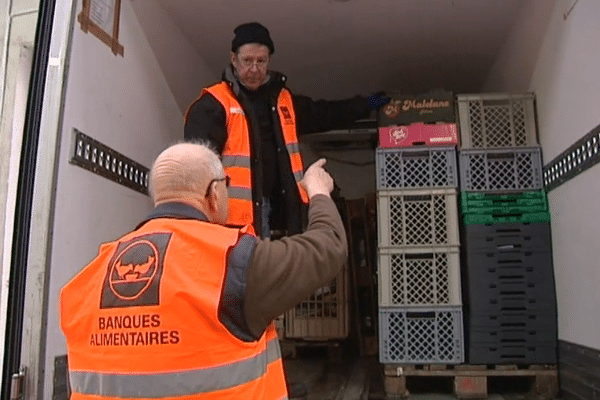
x=232 y=58
x=213 y=197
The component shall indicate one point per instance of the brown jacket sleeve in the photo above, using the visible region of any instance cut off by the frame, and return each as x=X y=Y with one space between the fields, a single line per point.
x=284 y=272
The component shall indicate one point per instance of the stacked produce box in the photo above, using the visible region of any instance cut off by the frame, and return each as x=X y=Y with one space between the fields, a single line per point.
x=508 y=280
x=419 y=283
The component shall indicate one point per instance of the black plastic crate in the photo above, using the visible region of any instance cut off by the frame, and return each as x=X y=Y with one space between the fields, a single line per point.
x=528 y=320
x=480 y=337
x=504 y=237
x=502 y=264
x=500 y=305
x=513 y=354
x=541 y=274
x=512 y=293
x=427 y=167
x=479 y=301
x=500 y=170
x=509 y=282
x=533 y=201
x=535 y=288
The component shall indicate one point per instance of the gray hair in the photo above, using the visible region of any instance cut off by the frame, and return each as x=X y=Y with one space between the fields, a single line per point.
x=183 y=168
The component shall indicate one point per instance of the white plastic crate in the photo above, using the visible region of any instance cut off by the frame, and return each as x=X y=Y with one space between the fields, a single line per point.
x=417 y=217
x=423 y=167
x=419 y=277
x=489 y=120
x=324 y=315
x=421 y=335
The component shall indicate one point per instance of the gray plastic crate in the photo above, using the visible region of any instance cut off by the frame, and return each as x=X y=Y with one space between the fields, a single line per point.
x=424 y=167
x=417 y=217
x=419 y=277
x=417 y=335
x=489 y=120
x=501 y=170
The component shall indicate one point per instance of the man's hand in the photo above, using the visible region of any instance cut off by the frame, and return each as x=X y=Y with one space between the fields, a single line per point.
x=316 y=180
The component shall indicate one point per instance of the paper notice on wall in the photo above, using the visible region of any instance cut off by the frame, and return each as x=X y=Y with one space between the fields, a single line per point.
x=102 y=13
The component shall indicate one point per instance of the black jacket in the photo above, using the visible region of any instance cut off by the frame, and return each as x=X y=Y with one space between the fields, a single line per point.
x=271 y=172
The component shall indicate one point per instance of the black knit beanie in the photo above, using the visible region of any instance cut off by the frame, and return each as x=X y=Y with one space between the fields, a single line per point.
x=251 y=32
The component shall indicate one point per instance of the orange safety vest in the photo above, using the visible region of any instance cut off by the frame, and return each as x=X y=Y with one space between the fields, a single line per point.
x=236 y=154
x=141 y=321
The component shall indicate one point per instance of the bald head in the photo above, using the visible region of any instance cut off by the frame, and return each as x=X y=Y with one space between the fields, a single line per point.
x=182 y=173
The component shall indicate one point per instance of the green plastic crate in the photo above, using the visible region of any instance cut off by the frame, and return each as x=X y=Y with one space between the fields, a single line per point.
x=492 y=219
x=506 y=203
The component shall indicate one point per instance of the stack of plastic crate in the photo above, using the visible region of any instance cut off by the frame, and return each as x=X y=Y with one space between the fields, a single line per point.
x=419 y=284
x=508 y=279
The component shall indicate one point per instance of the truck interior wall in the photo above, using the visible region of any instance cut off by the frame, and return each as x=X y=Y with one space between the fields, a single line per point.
x=565 y=79
x=127 y=104
x=184 y=69
x=18 y=20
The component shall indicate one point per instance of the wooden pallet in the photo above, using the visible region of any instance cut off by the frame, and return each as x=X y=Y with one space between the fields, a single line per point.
x=471 y=381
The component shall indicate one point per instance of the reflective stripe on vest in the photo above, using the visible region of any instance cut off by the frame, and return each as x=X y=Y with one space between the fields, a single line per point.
x=287 y=116
x=237 y=167
x=181 y=383
x=236 y=161
x=236 y=153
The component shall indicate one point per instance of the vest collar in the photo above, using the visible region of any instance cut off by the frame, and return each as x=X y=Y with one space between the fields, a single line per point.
x=174 y=210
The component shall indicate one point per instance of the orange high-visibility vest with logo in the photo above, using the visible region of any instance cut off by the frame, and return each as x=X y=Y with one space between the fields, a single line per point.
x=236 y=154
x=141 y=321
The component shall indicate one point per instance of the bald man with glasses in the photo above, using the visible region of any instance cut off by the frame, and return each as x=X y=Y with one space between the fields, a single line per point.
x=184 y=306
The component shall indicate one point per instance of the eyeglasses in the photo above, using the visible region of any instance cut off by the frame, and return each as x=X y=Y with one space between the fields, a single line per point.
x=226 y=178
x=249 y=62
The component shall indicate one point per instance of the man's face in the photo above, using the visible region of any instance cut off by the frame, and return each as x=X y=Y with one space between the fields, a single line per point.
x=251 y=62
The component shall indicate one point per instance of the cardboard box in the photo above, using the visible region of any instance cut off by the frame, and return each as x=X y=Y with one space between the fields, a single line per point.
x=418 y=134
x=430 y=107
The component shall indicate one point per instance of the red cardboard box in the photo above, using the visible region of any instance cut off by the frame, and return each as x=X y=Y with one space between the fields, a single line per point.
x=418 y=134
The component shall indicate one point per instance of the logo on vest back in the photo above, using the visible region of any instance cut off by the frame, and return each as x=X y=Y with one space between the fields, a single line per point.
x=134 y=272
x=287 y=116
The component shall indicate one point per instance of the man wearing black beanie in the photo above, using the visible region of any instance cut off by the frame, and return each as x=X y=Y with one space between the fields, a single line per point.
x=254 y=121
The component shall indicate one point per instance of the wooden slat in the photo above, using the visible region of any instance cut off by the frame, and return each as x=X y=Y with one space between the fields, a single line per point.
x=471 y=381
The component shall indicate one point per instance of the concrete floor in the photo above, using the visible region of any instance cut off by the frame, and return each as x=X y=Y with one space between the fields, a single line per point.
x=339 y=375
